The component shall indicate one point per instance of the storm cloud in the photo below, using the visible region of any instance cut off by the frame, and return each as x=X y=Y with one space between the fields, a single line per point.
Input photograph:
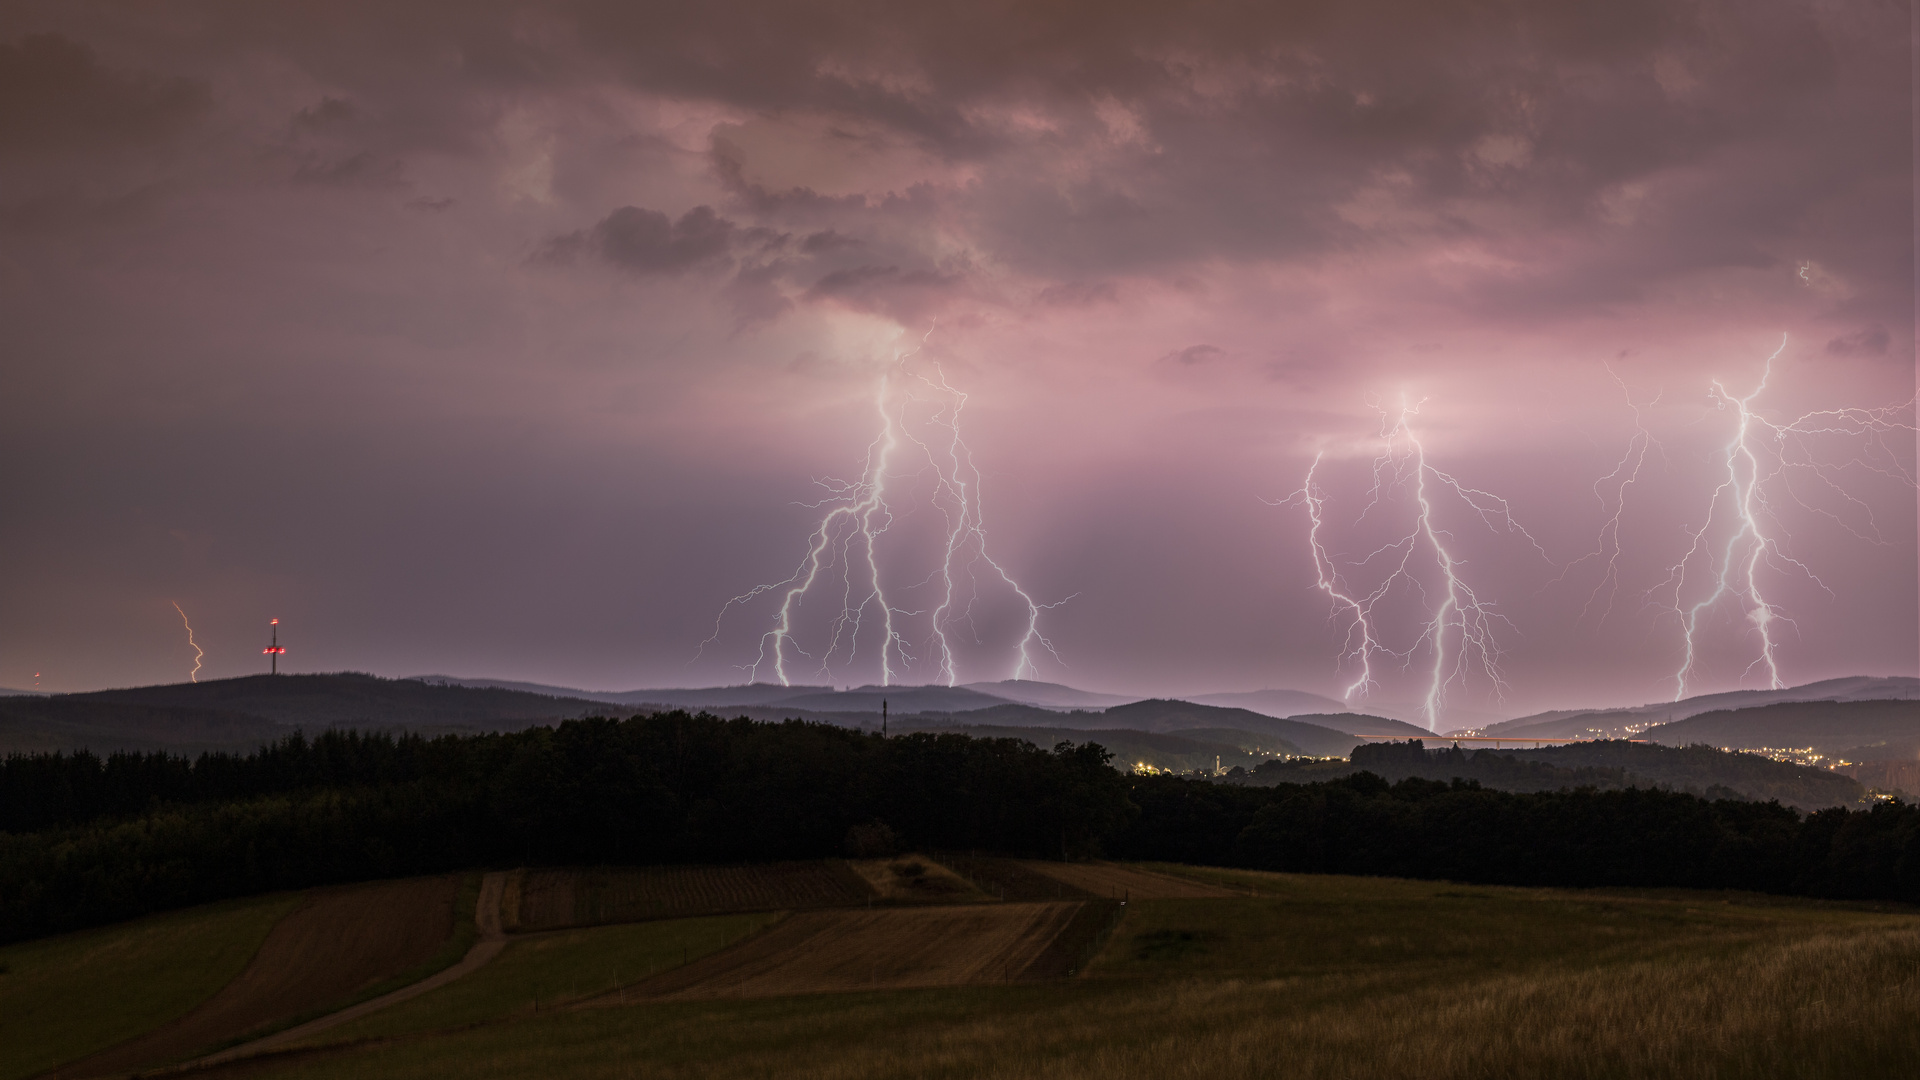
x=515 y=339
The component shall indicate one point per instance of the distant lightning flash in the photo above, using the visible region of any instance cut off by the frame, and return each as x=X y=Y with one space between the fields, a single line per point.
x=845 y=547
x=1460 y=631
x=1758 y=463
x=194 y=675
x=1610 y=491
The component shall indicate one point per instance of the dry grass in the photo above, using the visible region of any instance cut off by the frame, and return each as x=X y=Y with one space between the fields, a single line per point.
x=892 y=948
x=64 y=997
x=1323 y=979
x=1120 y=881
x=548 y=899
x=337 y=942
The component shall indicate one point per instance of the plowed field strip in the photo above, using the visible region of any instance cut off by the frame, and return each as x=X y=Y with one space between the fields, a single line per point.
x=557 y=898
x=856 y=949
x=492 y=941
x=337 y=942
x=1118 y=881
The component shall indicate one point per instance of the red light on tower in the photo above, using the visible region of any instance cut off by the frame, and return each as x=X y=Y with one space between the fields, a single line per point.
x=274 y=650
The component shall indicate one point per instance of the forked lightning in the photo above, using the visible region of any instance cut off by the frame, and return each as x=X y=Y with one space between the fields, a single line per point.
x=845 y=549
x=1460 y=630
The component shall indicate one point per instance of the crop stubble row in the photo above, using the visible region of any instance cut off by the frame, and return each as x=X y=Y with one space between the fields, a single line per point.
x=881 y=948
x=556 y=898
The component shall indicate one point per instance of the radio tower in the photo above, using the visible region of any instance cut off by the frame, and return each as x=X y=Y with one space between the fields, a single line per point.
x=274 y=650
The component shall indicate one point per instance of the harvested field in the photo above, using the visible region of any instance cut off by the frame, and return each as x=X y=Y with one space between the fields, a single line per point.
x=866 y=949
x=550 y=899
x=63 y=998
x=336 y=943
x=1011 y=879
x=1118 y=881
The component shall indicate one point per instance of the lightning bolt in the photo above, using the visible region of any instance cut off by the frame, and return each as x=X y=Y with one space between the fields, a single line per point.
x=845 y=547
x=1610 y=491
x=1757 y=466
x=194 y=675
x=1360 y=645
x=967 y=531
x=1460 y=632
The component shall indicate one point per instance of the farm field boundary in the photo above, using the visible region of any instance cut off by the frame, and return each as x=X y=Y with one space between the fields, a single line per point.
x=1119 y=881
x=339 y=941
x=553 y=899
x=882 y=948
x=491 y=940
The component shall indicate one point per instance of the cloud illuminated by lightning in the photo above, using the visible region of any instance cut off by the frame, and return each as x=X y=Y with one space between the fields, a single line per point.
x=1459 y=631
x=194 y=675
x=1757 y=468
x=919 y=436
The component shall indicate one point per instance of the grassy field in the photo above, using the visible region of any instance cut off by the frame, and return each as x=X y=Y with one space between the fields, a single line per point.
x=337 y=943
x=1295 y=976
x=554 y=970
x=548 y=899
x=67 y=996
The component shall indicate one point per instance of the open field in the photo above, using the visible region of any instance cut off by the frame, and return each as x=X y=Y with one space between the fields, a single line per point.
x=1307 y=976
x=1119 y=881
x=67 y=996
x=892 y=948
x=335 y=943
x=554 y=970
x=549 y=899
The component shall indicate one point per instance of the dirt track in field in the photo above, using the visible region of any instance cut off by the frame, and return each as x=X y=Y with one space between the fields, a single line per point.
x=548 y=899
x=340 y=941
x=1118 y=881
x=867 y=949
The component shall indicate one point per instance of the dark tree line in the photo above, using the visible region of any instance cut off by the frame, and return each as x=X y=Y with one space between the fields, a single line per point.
x=90 y=841
x=85 y=841
x=1460 y=831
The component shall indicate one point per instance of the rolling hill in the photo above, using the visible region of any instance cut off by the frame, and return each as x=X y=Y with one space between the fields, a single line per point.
x=1860 y=730
x=37 y=724
x=1281 y=704
x=1048 y=695
x=1621 y=722
x=239 y=714
x=1615 y=765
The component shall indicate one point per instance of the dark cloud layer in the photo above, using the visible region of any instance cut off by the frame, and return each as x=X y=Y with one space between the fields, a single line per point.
x=385 y=309
x=55 y=94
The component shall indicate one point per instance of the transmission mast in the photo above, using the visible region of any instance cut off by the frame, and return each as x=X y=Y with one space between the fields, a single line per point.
x=274 y=650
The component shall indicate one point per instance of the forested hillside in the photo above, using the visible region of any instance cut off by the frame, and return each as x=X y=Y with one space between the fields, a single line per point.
x=85 y=840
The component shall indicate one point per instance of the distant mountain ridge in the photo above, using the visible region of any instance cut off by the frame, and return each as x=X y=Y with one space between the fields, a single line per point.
x=1281 y=704
x=240 y=714
x=1857 y=730
x=1621 y=722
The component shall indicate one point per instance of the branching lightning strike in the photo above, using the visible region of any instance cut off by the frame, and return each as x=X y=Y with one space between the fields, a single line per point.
x=1460 y=632
x=846 y=544
x=1757 y=465
x=194 y=675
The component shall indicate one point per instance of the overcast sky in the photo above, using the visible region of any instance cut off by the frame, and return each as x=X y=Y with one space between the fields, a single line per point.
x=513 y=340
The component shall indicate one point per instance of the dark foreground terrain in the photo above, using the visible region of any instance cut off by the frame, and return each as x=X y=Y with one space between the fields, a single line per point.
x=676 y=895
x=916 y=966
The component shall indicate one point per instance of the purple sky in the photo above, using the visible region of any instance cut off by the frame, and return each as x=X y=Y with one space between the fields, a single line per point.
x=511 y=340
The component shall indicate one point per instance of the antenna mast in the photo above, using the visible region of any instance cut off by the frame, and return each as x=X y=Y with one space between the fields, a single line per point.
x=274 y=650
